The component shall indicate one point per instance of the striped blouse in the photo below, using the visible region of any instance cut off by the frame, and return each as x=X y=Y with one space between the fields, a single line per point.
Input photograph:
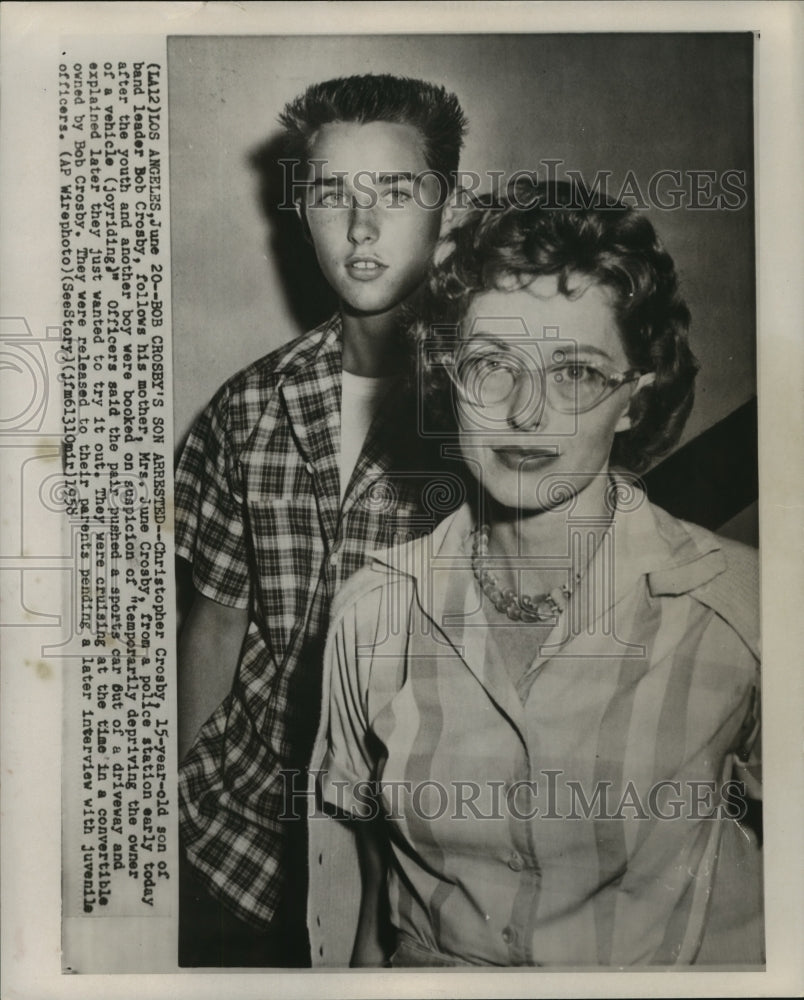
x=579 y=816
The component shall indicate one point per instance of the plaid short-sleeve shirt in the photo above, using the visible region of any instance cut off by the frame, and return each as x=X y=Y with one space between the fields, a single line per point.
x=259 y=516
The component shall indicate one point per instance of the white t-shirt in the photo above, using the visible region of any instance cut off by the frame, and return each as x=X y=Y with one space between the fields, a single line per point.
x=360 y=399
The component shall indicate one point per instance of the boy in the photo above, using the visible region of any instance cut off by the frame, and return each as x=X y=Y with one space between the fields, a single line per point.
x=301 y=463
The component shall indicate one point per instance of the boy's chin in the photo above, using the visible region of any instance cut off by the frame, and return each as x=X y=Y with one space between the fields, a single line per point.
x=366 y=308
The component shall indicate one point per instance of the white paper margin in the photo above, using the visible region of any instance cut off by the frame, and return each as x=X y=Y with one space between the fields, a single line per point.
x=31 y=722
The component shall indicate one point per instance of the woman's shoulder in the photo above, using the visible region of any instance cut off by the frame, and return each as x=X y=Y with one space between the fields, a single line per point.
x=687 y=543
x=742 y=561
x=397 y=569
x=734 y=593
x=369 y=586
x=730 y=585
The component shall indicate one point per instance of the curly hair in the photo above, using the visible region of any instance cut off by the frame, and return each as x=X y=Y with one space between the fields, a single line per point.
x=548 y=229
x=380 y=97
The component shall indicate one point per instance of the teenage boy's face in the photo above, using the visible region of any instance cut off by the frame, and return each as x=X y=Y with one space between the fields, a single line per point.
x=367 y=213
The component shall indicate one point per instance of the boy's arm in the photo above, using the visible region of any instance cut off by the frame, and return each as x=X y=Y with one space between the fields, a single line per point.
x=209 y=648
x=372 y=944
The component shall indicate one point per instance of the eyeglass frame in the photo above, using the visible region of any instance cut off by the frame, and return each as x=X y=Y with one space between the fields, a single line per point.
x=614 y=379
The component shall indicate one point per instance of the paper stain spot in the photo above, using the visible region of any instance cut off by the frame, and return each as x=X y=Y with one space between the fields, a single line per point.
x=43 y=669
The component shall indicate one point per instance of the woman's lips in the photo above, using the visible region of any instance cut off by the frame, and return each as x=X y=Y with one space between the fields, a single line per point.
x=515 y=458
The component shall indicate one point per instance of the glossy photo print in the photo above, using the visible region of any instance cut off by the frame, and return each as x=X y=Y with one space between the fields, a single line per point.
x=488 y=420
x=400 y=413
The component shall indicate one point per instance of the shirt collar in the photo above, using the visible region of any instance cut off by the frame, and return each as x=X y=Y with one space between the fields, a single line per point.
x=674 y=555
x=316 y=354
x=310 y=385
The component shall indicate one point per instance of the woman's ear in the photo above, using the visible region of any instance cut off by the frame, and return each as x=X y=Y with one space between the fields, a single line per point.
x=455 y=209
x=624 y=423
x=453 y=214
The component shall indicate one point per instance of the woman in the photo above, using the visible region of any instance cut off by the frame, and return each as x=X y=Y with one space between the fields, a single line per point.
x=536 y=711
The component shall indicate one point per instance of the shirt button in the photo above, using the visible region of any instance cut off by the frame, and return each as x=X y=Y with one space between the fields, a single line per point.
x=308 y=468
x=508 y=934
x=516 y=862
x=334 y=558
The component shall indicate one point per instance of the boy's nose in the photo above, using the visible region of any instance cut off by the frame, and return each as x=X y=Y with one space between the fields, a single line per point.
x=363 y=225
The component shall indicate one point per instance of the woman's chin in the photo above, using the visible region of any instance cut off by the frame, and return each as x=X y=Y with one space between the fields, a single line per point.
x=509 y=505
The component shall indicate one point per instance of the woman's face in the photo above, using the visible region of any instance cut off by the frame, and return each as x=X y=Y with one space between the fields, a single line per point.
x=524 y=434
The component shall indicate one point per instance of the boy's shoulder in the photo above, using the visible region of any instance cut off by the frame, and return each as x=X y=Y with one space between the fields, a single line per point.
x=245 y=399
x=319 y=344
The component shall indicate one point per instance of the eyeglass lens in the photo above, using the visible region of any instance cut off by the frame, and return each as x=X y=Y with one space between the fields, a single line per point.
x=488 y=378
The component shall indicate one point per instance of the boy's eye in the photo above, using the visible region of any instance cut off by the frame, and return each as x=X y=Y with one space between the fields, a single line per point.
x=396 y=196
x=333 y=199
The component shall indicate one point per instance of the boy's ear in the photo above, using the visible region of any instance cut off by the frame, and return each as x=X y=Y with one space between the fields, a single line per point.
x=455 y=209
x=303 y=219
x=624 y=423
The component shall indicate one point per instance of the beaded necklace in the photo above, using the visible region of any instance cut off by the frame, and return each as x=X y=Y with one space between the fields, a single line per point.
x=542 y=609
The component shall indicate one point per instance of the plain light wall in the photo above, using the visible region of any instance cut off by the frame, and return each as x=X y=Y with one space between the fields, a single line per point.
x=641 y=103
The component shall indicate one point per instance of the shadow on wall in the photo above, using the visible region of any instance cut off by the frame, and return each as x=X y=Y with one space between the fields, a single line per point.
x=309 y=298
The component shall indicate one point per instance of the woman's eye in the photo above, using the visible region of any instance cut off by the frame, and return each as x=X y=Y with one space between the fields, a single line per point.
x=489 y=363
x=576 y=373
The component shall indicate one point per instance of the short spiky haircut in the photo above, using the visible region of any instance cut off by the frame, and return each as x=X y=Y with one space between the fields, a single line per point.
x=546 y=229
x=433 y=110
